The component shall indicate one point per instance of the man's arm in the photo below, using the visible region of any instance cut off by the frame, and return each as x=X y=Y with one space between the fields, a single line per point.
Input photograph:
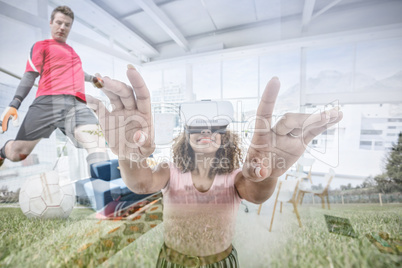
x=95 y=80
x=88 y=77
x=25 y=85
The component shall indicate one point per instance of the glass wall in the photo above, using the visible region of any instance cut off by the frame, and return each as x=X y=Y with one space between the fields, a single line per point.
x=358 y=144
x=333 y=75
x=207 y=80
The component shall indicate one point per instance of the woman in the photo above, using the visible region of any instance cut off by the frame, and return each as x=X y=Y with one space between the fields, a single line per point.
x=201 y=201
x=203 y=187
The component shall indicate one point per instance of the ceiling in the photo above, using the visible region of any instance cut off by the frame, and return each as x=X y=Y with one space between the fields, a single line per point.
x=156 y=30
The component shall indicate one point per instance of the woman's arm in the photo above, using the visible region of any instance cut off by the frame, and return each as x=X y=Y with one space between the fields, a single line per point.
x=274 y=150
x=255 y=192
x=142 y=179
x=129 y=131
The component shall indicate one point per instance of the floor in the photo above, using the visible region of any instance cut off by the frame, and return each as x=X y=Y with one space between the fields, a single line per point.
x=254 y=243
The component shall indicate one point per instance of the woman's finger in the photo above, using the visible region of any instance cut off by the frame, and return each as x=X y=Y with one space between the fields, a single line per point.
x=267 y=104
x=297 y=125
x=294 y=121
x=311 y=133
x=143 y=98
x=121 y=96
x=256 y=168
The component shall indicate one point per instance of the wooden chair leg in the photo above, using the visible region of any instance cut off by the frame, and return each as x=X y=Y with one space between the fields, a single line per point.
x=273 y=212
x=281 y=208
x=322 y=201
x=259 y=209
x=301 y=199
x=328 y=202
x=272 y=218
x=298 y=196
x=297 y=213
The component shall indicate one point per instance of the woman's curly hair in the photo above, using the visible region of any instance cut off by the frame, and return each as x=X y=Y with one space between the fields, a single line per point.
x=229 y=154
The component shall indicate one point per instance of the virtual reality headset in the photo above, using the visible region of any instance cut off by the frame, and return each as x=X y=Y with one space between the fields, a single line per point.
x=214 y=115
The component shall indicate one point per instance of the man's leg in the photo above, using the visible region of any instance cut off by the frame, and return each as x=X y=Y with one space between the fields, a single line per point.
x=91 y=139
x=17 y=150
x=38 y=123
x=88 y=135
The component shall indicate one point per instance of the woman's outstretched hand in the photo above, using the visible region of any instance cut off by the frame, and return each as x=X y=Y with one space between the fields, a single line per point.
x=128 y=127
x=274 y=150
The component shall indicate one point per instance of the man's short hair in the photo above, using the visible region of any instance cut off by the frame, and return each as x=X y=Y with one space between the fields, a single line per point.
x=64 y=10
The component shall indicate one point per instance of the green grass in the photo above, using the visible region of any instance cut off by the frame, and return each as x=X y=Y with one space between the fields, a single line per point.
x=25 y=241
x=82 y=241
x=314 y=246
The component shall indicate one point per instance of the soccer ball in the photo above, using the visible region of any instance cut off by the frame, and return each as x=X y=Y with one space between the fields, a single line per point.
x=41 y=196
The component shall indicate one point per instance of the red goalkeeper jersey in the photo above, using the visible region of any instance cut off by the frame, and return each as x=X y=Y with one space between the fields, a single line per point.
x=59 y=67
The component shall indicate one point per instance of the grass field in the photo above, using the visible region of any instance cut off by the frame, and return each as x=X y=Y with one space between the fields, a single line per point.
x=314 y=246
x=83 y=241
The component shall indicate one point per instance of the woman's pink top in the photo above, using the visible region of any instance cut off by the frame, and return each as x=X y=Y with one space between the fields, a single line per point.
x=199 y=223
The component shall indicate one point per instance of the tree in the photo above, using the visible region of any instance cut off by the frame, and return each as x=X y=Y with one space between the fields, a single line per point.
x=346 y=187
x=391 y=180
x=394 y=165
x=316 y=188
x=384 y=184
x=368 y=182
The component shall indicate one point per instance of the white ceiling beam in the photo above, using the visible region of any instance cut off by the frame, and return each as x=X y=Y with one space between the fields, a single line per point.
x=23 y=16
x=307 y=12
x=325 y=9
x=43 y=13
x=209 y=13
x=134 y=12
x=101 y=20
x=83 y=40
x=164 y=22
x=42 y=9
x=332 y=39
x=39 y=22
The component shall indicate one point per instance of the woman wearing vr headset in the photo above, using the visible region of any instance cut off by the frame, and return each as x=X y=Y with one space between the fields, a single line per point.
x=206 y=181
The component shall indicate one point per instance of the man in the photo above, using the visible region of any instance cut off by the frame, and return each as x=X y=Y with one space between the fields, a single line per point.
x=60 y=99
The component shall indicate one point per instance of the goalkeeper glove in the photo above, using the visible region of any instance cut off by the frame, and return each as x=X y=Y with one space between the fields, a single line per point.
x=10 y=113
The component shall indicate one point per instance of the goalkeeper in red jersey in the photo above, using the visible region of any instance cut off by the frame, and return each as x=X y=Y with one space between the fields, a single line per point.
x=60 y=99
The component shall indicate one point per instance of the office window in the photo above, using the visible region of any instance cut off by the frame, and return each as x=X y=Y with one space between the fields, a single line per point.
x=286 y=66
x=365 y=145
x=153 y=79
x=240 y=78
x=394 y=119
x=370 y=132
x=207 y=80
x=378 y=66
x=329 y=69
